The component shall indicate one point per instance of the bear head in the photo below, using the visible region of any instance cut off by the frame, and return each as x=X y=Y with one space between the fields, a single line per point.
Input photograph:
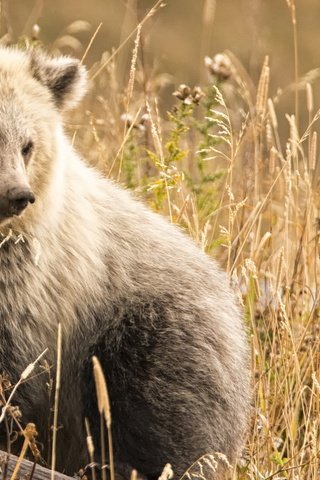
x=35 y=89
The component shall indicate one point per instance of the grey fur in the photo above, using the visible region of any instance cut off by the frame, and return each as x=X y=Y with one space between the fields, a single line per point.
x=126 y=285
x=59 y=75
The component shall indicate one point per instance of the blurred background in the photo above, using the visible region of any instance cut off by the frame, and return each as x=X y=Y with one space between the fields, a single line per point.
x=181 y=33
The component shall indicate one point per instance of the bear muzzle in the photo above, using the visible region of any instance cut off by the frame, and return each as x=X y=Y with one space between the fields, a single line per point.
x=15 y=201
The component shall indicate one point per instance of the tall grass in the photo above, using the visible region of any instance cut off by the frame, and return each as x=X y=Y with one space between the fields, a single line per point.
x=219 y=166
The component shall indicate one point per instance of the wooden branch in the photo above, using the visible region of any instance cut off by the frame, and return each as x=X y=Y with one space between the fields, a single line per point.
x=8 y=463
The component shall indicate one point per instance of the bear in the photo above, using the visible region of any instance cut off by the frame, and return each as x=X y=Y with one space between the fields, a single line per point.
x=126 y=285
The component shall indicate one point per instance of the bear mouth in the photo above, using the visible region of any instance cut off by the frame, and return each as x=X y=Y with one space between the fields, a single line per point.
x=6 y=217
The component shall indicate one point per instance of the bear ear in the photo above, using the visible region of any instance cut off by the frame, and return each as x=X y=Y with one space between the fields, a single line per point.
x=65 y=77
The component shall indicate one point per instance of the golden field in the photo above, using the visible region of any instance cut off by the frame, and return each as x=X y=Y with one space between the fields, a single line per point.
x=208 y=110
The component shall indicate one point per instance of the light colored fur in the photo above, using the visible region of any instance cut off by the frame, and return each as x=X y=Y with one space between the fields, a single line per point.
x=92 y=245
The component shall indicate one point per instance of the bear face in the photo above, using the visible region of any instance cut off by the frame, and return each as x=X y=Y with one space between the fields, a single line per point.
x=28 y=140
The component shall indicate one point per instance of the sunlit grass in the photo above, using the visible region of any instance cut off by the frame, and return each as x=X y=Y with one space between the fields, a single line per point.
x=218 y=166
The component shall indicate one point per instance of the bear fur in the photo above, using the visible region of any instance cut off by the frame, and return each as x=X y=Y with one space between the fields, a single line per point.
x=126 y=286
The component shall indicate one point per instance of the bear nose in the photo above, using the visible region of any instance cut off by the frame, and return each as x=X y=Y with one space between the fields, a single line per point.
x=19 y=199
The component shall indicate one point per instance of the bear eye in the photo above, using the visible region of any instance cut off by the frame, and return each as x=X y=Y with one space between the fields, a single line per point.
x=26 y=150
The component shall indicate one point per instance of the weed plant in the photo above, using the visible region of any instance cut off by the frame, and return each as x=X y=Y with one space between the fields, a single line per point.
x=216 y=165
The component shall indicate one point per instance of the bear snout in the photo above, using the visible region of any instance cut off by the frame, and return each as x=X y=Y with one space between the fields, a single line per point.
x=18 y=199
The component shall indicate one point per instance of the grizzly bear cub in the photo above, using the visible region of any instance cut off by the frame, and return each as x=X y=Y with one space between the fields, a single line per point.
x=126 y=286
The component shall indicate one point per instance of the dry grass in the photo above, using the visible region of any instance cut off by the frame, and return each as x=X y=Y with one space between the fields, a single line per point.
x=249 y=197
